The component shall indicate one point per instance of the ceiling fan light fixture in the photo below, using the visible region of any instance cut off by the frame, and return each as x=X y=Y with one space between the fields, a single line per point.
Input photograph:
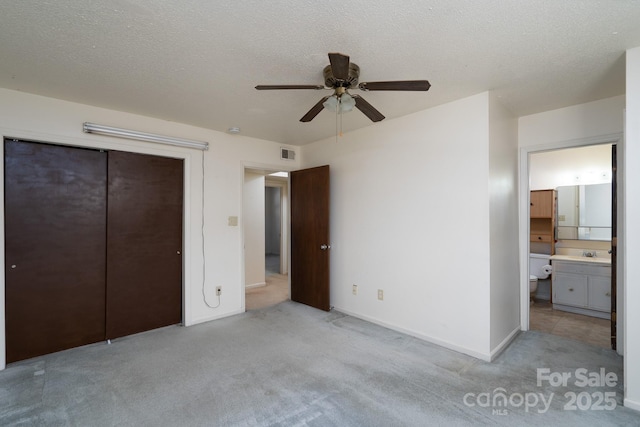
x=347 y=103
x=331 y=103
x=341 y=103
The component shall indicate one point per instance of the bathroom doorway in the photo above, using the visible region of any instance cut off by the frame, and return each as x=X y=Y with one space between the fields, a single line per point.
x=576 y=168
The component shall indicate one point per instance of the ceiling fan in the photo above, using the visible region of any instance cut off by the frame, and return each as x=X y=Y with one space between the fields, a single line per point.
x=342 y=75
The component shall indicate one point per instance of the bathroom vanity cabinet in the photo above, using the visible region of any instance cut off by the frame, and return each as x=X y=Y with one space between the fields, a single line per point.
x=542 y=213
x=582 y=287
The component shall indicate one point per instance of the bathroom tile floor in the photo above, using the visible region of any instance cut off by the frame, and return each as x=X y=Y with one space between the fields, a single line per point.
x=592 y=330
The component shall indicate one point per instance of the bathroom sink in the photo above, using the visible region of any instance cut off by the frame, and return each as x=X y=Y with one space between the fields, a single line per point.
x=590 y=260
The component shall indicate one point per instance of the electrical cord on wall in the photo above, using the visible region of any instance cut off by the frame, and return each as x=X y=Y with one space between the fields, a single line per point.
x=204 y=262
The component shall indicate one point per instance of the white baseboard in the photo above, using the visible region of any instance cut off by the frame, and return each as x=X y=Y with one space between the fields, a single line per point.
x=441 y=343
x=631 y=404
x=505 y=343
x=208 y=319
x=255 y=285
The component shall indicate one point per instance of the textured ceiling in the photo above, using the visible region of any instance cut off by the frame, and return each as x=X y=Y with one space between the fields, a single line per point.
x=197 y=61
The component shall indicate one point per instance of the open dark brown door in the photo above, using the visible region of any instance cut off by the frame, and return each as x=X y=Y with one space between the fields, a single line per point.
x=55 y=227
x=310 y=237
x=614 y=246
x=144 y=243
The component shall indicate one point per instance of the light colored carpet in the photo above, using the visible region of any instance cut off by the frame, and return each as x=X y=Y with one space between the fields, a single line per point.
x=292 y=365
x=276 y=291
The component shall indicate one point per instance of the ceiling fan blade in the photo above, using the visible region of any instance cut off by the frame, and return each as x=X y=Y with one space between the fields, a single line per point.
x=314 y=110
x=396 y=85
x=367 y=109
x=339 y=65
x=277 y=87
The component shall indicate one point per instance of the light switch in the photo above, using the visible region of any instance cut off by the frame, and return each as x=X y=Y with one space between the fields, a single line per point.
x=233 y=221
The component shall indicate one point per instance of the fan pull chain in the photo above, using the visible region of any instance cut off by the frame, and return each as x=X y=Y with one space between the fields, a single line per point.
x=337 y=112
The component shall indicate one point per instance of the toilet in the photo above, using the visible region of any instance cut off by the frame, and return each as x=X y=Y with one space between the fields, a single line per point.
x=539 y=268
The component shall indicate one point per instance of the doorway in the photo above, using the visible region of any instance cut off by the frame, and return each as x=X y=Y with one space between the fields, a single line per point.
x=307 y=248
x=562 y=171
x=266 y=240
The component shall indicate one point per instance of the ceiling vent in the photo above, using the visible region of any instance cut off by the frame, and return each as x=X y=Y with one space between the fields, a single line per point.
x=286 y=154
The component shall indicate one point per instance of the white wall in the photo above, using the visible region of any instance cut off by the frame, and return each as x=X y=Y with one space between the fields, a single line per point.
x=44 y=119
x=273 y=223
x=546 y=130
x=571 y=166
x=254 y=229
x=503 y=193
x=409 y=208
x=630 y=240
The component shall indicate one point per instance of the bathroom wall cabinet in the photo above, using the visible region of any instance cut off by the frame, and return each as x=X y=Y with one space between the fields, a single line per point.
x=542 y=204
x=583 y=288
x=542 y=213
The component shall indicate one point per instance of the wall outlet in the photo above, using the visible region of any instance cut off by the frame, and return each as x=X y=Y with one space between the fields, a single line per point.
x=380 y=294
x=354 y=290
x=218 y=291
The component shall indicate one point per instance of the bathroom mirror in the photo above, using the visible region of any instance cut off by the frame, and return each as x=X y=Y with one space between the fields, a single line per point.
x=584 y=212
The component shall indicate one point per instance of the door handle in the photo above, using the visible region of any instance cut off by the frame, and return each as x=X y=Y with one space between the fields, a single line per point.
x=325 y=247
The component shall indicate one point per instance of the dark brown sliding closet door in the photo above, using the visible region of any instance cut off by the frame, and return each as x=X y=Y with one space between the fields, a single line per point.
x=144 y=243
x=55 y=228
